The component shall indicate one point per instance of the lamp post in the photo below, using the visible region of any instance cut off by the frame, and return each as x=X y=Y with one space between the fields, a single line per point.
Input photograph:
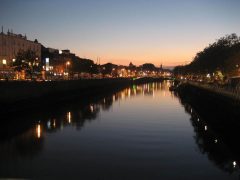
x=4 y=63
x=67 y=68
x=67 y=64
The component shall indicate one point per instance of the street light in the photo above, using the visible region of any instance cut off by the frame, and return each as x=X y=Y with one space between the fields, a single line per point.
x=67 y=71
x=67 y=64
x=4 y=61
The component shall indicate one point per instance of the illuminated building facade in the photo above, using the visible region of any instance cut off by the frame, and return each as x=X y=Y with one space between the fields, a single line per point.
x=11 y=44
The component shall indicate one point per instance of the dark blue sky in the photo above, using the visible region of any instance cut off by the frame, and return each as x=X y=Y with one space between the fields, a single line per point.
x=120 y=31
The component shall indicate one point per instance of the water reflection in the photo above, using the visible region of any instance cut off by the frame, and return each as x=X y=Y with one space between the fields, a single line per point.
x=211 y=142
x=31 y=141
x=38 y=130
x=28 y=144
x=144 y=134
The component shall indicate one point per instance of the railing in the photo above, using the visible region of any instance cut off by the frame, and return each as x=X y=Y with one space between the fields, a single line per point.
x=222 y=90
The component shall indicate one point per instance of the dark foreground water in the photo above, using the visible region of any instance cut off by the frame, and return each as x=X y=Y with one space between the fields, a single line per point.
x=142 y=132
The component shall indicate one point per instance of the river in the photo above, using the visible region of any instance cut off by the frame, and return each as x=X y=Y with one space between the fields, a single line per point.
x=141 y=132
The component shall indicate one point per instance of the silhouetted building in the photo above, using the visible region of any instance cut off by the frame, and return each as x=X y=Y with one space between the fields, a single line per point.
x=56 y=59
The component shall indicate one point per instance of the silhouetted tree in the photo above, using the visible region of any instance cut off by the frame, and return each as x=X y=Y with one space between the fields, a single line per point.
x=217 y=56
x=84 y=65
x=148 y=67
x=26 y=60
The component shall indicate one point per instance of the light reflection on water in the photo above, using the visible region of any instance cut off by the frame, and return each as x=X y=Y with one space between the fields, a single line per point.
x=141 y=132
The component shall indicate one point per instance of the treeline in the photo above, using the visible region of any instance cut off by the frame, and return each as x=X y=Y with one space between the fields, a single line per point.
x=222 y=56
x=59 y=62
x=84 y=65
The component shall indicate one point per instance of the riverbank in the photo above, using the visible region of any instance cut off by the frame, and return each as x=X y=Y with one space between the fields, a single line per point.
x=225 y=93
x=220 y=112
x=206 y=96
x=17 y=96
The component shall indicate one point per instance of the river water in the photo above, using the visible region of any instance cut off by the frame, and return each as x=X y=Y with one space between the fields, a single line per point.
x=141 y=132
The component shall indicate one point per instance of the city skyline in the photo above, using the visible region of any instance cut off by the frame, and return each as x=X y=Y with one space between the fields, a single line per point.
x=120 y=89
x=158 y=32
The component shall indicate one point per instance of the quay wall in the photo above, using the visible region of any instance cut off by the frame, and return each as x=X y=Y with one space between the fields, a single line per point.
x=14 y=94
x=219 y=111
x=233 y=94
x=11 y=92
x=211 y=93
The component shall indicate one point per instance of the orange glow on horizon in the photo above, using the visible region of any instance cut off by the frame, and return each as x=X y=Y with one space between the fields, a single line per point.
x=166 y=58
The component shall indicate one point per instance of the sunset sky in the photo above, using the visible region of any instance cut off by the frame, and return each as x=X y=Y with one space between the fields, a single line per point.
x=170 y=32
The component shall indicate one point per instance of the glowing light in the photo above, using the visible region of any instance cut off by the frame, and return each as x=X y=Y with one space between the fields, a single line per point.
x=69 y=117
x=14 y=60
x=68 y=63
x=91 y=108
x=54 y=123
x=47 y=64
x=60 y=51
x=122 y=95
x=129 y=93
x=49 y=124
x=205 y=127
x=234 y=164
x=4 y=61
x=38 y=130
x=215 y=141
